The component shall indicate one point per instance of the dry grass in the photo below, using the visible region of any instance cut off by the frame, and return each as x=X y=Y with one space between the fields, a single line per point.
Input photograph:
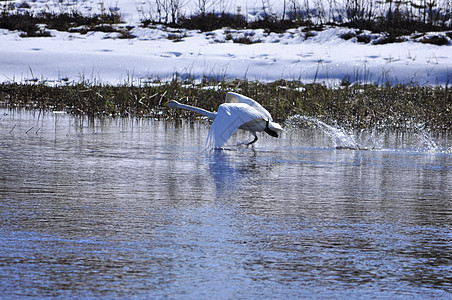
x=364 y=106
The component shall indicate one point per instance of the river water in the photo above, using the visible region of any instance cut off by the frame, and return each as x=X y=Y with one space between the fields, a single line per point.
x=125 y=208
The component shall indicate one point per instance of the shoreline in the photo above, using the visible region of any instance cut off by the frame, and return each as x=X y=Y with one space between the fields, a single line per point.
x=349 y=106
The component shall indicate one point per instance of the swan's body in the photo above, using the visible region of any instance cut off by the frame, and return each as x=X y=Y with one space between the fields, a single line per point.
x=239 y=112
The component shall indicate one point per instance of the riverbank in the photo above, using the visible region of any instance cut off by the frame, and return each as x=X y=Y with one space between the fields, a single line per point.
x=357 y=106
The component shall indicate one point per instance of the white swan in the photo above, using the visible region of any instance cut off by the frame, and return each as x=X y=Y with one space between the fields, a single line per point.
x=238 y=112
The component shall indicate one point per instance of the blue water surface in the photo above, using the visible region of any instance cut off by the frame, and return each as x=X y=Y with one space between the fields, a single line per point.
x=139 y=209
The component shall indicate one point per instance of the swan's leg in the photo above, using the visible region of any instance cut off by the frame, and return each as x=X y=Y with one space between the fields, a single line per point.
x=255 y=139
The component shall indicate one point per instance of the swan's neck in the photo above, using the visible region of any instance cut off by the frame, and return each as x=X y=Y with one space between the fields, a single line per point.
x=209 y=114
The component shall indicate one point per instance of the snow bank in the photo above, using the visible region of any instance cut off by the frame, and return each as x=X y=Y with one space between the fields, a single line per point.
x=159 y=53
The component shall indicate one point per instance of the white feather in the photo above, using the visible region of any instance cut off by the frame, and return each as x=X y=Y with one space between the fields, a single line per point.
x=237 y=98
x=230 y=117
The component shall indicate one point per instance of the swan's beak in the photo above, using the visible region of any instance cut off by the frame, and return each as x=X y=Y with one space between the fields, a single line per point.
x=166 y=103
x=275 y=128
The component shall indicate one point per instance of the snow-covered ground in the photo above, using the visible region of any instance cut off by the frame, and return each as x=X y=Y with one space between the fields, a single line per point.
x=151 y=55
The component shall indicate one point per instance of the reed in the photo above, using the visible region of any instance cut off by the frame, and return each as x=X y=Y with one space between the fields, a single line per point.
x=357 y=106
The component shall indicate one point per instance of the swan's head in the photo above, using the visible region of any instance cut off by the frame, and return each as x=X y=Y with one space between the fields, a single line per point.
x=273 y=129
x=172 y=103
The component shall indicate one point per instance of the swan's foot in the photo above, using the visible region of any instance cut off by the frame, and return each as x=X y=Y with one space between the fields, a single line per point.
x=253 y=141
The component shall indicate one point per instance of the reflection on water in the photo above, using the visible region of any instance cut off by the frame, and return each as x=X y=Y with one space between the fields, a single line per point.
x=120 y=208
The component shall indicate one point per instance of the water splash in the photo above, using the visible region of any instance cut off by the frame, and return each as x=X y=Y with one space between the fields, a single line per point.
x=339 y=136
x=417 y=138
x=426 y=138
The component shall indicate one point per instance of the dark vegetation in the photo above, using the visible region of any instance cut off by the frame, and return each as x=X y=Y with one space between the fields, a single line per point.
x=211 y=21
x=29 y=23
x=365 y=106
x=394 y=18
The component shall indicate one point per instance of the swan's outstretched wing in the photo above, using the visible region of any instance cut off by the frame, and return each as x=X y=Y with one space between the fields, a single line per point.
x=230 y=117
x=237 y=98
